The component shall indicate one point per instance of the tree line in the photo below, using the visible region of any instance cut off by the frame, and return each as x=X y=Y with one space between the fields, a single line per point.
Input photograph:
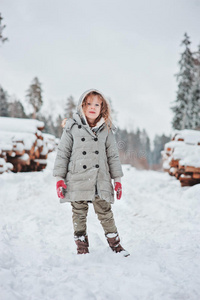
x=134 y=146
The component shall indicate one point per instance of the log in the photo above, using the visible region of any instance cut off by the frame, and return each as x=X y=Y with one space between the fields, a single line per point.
x=41 y=164
x=37 y=153
x=174 y=163
x=192 y=169
x=43 y=156
x=31 y=152
x=196 y=175
x=19 y=162
x=18 y=148
x=188 y=181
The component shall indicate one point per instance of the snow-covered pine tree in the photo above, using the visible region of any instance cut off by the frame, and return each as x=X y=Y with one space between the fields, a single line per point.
x=58 y=127
x=34 y=96
x=159 y=142
x=3 y=103
x=16 y=110
x=183 y=106
x=69 y=107
x=195 y=92
x=2 y=39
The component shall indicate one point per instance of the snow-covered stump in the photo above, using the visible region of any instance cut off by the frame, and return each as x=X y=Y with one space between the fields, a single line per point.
x=181 y=157
x=24 y=145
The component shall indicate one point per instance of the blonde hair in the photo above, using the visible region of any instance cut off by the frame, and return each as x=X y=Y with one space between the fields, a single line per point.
x=104 y=112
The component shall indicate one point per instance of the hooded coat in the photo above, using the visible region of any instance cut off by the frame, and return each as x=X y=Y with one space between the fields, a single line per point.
x=87 y=160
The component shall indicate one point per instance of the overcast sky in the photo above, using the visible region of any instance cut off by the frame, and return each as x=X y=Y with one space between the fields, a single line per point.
x=127 y=49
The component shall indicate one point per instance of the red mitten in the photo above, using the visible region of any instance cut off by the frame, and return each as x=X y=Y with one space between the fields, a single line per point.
x=59 y=186
x=118 y=189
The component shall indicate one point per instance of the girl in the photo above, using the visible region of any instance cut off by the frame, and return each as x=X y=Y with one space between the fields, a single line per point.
x=87 y=159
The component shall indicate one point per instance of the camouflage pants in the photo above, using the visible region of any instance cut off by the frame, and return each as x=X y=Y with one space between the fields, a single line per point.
x=101 y=208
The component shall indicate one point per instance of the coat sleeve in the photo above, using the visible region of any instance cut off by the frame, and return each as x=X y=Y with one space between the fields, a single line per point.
x=63 y=154
x=113 y=156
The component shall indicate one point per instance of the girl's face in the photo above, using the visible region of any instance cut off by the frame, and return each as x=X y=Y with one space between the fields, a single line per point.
x=92 y=108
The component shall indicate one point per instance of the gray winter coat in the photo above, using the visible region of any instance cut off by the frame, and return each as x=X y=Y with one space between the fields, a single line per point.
x=87 y=161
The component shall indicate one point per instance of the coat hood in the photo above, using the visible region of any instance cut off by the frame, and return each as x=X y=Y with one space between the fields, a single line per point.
x=81 y=114
x=84 y=95
x=80 y=110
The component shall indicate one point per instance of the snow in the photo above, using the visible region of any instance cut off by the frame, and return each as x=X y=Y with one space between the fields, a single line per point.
x=8 y=137
x=24 y=157
x=20 y=125
x=158 y=222
x=41 y=161
x=173 y=144
x=187 y=151
x=189 y=155
x=18 y=147
x=4 y=166
x=50 y=141
x=189 y=136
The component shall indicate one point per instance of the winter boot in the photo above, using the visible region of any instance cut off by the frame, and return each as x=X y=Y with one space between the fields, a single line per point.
x=82 y=244
x=114 y=243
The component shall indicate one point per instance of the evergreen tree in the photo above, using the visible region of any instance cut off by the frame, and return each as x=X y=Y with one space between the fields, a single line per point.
x=159 y=142
x=50 y=128
x=113 y=112
x=70 y=107
x=16 y=110
x=2 y=27
x=146 y=149
x=195 y=92
x=3 y=103
x=58 y=127
x=183 y=106
x=34 y=96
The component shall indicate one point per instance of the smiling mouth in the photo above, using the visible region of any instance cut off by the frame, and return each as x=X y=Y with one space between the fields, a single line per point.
x=92 y=112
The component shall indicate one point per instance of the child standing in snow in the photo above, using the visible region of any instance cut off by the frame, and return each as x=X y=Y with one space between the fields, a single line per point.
x=86 y=161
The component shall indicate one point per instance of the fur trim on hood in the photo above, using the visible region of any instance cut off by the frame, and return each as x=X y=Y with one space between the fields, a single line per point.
x=80 y=110
x=82 y=115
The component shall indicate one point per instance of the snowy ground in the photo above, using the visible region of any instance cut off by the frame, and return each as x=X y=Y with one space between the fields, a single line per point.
x=158 y=221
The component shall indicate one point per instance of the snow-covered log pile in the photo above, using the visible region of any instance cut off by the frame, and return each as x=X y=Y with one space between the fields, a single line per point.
x=181 y=156
x=23 y=147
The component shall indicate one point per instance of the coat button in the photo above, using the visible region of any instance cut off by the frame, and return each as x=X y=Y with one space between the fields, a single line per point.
x=97 y=166
x=84 y=152
x=96 y=152
x=95 y=139
x=84 y=167
x=79 y=126
x=83 y=139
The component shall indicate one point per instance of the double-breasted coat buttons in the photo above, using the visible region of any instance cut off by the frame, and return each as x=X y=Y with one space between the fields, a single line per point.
x=84 y=167
x=97 y=166
x=96 y=139
x=84 y=152
x=96 y=152
x=79 y=126
x=83 y=139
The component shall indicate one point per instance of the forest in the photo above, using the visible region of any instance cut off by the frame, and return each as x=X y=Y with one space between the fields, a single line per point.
x=134 y=146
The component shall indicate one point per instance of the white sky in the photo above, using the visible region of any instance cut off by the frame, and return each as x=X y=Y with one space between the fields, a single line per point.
x=127 y=49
